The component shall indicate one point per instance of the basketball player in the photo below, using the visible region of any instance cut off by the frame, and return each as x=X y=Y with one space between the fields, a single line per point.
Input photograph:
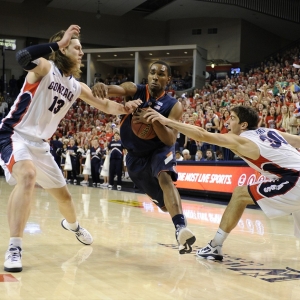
x=151 y=163
x=268 y=151
x=48 y=92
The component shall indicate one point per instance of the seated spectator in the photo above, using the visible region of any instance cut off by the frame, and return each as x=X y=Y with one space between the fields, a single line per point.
x=186 y=155
x=219 y=155
x=199 y=156
x=178 y=156
x=209 y=155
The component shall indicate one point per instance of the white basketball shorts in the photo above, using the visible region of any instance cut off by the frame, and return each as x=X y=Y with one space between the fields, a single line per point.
x=48 y=175
x=278 y=198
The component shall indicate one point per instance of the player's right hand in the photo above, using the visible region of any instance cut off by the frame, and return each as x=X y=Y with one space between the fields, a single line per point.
x=100 y=90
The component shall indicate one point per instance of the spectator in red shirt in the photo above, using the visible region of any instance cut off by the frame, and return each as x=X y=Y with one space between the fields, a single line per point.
x=271 y=118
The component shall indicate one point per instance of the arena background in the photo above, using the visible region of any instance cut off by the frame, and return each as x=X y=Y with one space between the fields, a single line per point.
x=237 y=32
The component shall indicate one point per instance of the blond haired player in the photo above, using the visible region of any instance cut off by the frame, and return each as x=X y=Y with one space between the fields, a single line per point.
x=48 y=92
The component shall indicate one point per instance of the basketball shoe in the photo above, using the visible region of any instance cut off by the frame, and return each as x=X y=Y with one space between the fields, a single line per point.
x=185 y=239
x=82 y=235
x=13 y=259
x=210 y=252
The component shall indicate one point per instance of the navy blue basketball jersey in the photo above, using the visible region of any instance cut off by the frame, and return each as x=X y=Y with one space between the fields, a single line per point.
x=163 y=104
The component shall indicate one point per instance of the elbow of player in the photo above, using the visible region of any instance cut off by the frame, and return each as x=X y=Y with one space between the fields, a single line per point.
x=23 y=58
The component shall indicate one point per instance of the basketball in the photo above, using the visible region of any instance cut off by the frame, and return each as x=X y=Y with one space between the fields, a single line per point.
x=143 y=131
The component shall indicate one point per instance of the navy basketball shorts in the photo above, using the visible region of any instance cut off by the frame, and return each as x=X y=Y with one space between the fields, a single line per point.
x=144 y=171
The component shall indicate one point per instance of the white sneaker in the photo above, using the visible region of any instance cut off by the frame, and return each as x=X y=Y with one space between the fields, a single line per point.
x=185 y=239
x=75 y=182
x=98 y=185
x=82 y=235
x=104 y=185
x=119 y=187
x=68 y=181
x=94 y=184
x=110 y=187
x=210 y=252
x=13 y=259
x=83 y=182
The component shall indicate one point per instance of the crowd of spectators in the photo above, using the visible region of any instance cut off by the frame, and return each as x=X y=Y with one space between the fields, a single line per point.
x=272 y=88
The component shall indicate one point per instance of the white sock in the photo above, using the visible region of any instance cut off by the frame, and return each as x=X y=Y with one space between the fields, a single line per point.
x=16 y=241
x=73 y=226
x=219 y=238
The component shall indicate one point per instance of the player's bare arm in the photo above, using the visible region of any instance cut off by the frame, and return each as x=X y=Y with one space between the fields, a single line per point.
x=240 y=145
x=106 y=105
x=43 y=68
x=293 y=140
x=102 y=90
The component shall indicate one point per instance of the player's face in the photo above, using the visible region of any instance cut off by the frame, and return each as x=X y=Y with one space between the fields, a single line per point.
x=233 y=124
x=74 y=51
x=158 y=77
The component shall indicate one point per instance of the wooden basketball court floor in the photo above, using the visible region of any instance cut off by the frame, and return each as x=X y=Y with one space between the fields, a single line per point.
x=134 y=252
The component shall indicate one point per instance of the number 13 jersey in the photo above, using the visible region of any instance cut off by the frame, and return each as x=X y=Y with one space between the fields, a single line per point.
x=39 y=107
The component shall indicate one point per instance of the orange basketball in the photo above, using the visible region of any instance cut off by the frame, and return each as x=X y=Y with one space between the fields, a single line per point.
x=143 y=131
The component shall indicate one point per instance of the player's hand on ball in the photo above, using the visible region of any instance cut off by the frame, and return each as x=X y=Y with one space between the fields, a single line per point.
x=131 y=106
x=152 y=115
x=138 y=116
x=100 y=90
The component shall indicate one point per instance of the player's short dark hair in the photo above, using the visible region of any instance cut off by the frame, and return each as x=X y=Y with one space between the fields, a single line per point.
x=162 y=63
x=247 y=114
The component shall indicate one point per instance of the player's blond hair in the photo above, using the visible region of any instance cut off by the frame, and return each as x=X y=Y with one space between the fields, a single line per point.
x=64 y=63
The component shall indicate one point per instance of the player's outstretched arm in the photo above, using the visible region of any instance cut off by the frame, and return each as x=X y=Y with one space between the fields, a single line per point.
x=102 y=90
x=238 y=144
x=106 y=105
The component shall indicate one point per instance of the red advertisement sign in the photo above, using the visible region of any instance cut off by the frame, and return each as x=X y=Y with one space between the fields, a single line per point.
x=221 y=179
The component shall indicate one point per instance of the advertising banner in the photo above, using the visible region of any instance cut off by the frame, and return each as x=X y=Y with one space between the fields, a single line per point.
x=214 y=178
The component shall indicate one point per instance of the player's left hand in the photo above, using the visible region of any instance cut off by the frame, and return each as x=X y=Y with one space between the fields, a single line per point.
x=152 y=115
x=131 y=106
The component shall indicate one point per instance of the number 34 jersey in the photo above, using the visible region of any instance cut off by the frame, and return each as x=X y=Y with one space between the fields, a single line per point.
x=39 y=107
x=277 y=158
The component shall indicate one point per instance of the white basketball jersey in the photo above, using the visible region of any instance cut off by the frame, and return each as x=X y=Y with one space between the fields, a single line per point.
x=277 y=157
x=39 y=107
